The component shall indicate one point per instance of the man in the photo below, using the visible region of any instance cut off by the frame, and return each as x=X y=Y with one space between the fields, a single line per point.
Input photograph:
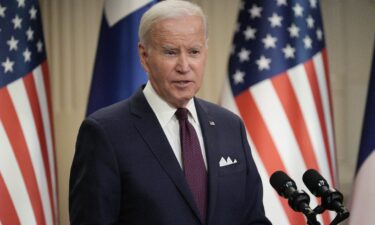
x=164 y=157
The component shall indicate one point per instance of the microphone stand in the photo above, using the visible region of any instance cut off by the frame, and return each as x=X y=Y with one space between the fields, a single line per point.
x=310 y=216
x=342 y=214
x=299 y=201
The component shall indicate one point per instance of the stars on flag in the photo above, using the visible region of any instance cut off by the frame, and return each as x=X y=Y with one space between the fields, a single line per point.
x=13 y=44
x=238 y=77
x=281 y=2
x=17 y=21
x=27 y=55
x=255 y=11
x=263 y=63
x=32 y=13
x=275 y=20
x=39 y=46
x=267 y=83
x=30 y=34
x=313 y=4
x=24 y=80
x=298 y=10
x=21 y=40
x=249 y=33
x=8 y=65
x=310 y=22
x=319 y=34
x=289 y=51
x=308 y=42
x=21 y=3
x=243 y=55
x=2 y=11
x=269 y=40
x=293 y=30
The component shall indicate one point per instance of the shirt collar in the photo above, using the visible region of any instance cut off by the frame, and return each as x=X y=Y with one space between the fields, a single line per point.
x=164 y=111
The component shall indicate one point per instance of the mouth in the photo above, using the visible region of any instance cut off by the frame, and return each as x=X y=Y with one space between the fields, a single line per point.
x=182 y=83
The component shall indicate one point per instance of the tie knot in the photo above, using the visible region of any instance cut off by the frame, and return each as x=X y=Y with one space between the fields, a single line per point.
x=182 y=114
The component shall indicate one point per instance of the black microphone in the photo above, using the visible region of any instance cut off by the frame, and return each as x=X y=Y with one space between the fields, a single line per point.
x=331 y=198
x=297 y=200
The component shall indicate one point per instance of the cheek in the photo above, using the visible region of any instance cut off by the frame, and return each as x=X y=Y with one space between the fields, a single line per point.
x=199 y=69
x=160 y=73
x=163 y=66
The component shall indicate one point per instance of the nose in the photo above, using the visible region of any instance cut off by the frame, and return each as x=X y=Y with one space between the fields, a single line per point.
x=183 y=65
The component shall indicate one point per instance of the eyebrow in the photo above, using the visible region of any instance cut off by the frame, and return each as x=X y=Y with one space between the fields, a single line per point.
x=198 y=46
x=169 y=47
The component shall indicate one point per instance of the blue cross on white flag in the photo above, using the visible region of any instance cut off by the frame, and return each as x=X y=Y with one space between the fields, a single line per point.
x=117 y=71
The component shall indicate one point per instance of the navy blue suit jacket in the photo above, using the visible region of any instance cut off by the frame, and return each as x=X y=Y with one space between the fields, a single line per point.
x=125 y=172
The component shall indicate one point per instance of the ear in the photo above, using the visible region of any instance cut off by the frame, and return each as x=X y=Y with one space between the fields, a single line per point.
x=143 y=55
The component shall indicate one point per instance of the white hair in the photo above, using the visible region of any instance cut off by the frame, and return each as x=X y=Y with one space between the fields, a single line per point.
x=165 y=10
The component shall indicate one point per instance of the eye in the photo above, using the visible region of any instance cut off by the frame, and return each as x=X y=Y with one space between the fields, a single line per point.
x=169 y=52
x=195 y=52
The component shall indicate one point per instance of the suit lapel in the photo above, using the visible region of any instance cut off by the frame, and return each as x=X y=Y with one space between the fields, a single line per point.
x=208 y=127
x=153 y=134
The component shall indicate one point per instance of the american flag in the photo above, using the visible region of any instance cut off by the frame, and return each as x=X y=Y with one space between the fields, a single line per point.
x=278 y=82
x=27 y=161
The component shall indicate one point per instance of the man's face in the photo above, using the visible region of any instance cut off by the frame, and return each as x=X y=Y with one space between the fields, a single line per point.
x=175 y=58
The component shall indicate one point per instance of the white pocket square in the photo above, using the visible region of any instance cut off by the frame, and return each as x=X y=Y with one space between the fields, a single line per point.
x=226 y=162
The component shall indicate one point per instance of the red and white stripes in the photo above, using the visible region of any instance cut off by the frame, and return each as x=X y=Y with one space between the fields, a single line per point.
x=289 y=123
x=27 y=161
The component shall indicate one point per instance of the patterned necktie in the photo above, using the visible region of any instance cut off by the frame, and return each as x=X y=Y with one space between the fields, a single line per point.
x=194 y=168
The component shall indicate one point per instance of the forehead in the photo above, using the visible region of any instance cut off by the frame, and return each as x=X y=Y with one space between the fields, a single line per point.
x=188 y=28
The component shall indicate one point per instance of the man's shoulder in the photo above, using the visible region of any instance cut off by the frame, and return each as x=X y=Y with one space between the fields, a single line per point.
x=121 y=109
x=216 y=110
x=118 y=109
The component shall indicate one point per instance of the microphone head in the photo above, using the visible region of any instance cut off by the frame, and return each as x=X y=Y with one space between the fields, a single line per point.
x=280 y=181
x=315 y=182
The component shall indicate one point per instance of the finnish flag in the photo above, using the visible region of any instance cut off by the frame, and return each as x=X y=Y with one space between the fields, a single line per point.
x=117 y=71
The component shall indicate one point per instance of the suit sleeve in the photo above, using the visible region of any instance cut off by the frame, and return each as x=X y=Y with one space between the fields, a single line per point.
x=94 y=188
x=255 y=214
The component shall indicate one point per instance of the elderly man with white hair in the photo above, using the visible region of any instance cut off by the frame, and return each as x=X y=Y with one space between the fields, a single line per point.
x=164 y=156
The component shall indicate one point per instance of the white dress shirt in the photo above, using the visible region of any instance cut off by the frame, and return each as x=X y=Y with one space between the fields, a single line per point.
x=165 y=114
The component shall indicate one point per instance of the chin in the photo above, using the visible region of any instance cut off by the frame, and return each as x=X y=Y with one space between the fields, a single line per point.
x=182 y=102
